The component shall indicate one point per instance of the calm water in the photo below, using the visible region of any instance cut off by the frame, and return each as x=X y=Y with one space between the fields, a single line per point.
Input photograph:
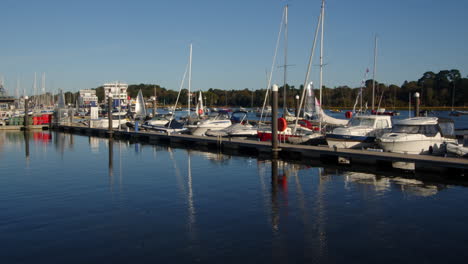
x=68 y=199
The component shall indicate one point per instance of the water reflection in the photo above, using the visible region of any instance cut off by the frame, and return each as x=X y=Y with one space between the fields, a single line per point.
x=26 y=145
x=110 y=148
x=211 y=204
x=381 y=184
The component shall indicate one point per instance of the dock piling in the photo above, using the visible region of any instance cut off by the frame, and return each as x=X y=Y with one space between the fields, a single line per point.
x=416 y=107
x=274 y=121
x=26 y=110
x=109 y=113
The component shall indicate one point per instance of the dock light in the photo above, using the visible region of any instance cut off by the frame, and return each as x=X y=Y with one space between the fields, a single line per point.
x=26 y=97
x=274 y=88
x=416 y=95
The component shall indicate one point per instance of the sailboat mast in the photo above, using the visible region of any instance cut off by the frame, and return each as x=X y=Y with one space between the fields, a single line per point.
x=373 y=73
x=285 y=57
x=321 y=60
x=190 y=78
x=35 y=89
x=43 y=89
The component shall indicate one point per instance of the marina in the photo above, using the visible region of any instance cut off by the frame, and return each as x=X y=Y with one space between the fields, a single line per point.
x=434 y=164
x=219 y=132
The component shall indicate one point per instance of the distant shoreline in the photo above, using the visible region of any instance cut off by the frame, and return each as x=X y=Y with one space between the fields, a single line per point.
x=434 y=108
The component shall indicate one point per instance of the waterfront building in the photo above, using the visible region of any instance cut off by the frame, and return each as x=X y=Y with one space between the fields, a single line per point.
x=88 y=98
x=118 y=91
x=6 y=102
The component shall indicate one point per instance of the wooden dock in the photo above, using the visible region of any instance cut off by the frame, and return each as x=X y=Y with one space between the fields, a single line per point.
x=343 y=157
x=19 y=128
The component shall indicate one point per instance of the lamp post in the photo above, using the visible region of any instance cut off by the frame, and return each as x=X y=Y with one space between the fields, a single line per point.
x=416 y=108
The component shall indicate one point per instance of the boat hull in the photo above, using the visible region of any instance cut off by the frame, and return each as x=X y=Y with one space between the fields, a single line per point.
x=346 y=141
x=422 y=146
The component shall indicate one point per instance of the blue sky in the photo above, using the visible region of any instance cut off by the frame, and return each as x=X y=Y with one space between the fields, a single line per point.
x=82 y=44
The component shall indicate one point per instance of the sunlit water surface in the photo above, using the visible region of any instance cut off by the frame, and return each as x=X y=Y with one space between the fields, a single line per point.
x=72 y=199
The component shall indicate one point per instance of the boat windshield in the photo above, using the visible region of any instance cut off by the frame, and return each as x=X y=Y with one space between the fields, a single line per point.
x=428 y=130
x=368 y=122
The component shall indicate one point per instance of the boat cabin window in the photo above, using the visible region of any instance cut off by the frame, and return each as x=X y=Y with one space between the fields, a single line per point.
x=382 y=123
x=427 y=130
x=369 y=122
x=447 y=129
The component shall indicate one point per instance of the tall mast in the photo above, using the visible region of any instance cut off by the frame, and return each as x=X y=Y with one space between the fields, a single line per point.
x=17 y=86
x=321 y=60
x=373 y=73
x=190 y=78
x=285 y=57
x=35 y=89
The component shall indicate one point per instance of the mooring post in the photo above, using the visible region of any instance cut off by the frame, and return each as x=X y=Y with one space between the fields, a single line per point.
x=416 y=107
x=154 y=105
x=70 y=114
x=274 y=121
x=109 y=113
x=297 y=105
x=26 y=110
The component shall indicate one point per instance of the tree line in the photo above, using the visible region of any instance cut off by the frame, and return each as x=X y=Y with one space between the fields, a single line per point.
x=440 y=89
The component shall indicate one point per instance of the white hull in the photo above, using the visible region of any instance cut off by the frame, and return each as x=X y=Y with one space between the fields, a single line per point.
x=353 y=144
x=421 y=146
x=199 y=130
x=104 y=123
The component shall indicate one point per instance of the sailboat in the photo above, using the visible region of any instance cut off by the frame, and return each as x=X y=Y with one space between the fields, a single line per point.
x=362 y=130
x=173 y=126
x=140 y=107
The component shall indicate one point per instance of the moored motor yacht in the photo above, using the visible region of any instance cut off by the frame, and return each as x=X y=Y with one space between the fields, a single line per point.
x=217 y=122
x=240 y=127
x=419 y=135
x=361 y=132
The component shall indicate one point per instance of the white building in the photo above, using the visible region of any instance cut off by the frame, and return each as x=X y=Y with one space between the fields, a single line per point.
x=118 y=91
x=88 y=98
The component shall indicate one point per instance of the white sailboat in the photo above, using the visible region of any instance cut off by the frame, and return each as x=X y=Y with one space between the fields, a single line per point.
x=140 y=107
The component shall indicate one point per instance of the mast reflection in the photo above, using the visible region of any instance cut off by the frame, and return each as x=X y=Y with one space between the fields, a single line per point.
x=111 y=158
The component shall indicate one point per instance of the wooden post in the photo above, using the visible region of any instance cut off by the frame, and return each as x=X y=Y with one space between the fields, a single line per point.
x=109 y=114
x=416 y=107
x=274 y=121
x=297 y=106
x=26 y=115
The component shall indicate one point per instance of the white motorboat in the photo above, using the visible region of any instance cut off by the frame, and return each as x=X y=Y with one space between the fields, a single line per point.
x=170 y=127
x=217 y=122
x=239 y=128
x=159 y=120
x=361 y=132
x=418 y=135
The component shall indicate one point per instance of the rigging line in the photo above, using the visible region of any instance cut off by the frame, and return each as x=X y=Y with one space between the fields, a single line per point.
x=273 y=65
x=311 y=57
x=178 y=95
